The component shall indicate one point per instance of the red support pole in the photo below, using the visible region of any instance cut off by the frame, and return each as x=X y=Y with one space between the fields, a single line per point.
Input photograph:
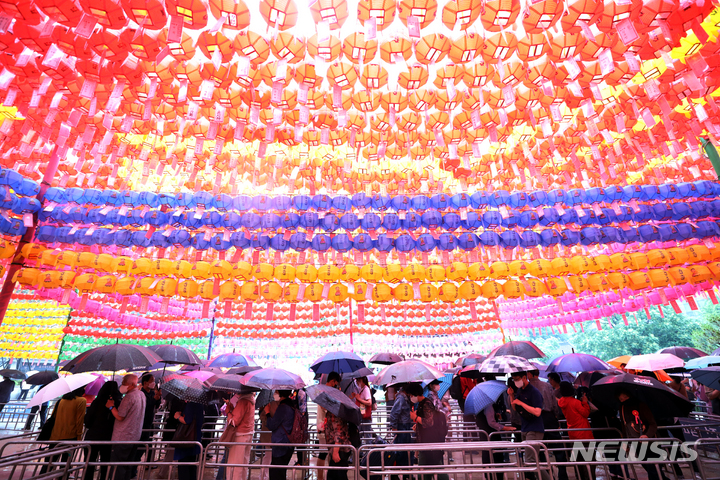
x=18 y=260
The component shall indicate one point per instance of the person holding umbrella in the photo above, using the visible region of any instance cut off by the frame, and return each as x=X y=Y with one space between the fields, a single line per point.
x=280 y=424
x=428 y=427
x=550 y=415
x=637 y=421
x=528 y=402
x=333 y=381
x=576 y=413
x=363 y=399
x=193 y=415
x=337 y=433
x=128 y=424
x=240 y=410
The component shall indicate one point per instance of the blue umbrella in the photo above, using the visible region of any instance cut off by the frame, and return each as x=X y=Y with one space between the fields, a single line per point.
x=340 y=362
x=577 y=362
x=229 y=360
x=702 y=362
x=483 y=395
x=445 y=383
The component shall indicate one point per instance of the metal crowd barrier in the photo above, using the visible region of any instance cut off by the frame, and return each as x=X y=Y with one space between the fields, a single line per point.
x=16 y=417
x=45 y=463
x=218 y=452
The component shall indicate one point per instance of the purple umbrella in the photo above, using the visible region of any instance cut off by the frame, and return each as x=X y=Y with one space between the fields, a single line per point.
x=93 y=388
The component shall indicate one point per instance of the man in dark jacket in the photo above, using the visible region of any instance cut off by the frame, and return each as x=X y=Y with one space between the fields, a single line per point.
x=427 y=428
x=6 y=388
x=280 y=422
x=638 y=422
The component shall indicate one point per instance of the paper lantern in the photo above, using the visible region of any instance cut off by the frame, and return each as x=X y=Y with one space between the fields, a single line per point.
x=328 y=273
x=382 y=292
x=359 y=291
x=182 y=269
x=49 y=258
x=403 y=292
x=284 y=273
x=126 y=286
x=448 y=292
x=463 y=12
x=313 y=292
x=237 y=15
x=456 y=271
x=469 y=291
x=432 y=48
x=677 y=256
x=185 y=288
x=518 y=268
x=396 y=50
x=499 y=14
x=338 y=293
x=699 y=274
x=679 y=275
x=146 y=286
x=271 y=291
x=555 y=286
x=249 y=291
x=639 y=280
x=658 y=277
x=499 y=270
x=579 y=283
x=290 y=292
x=638 y=261
x=478 y=271
x=598 y=282
x=150 y=13
x=27 y=276
x=393 y=273
x=540 y=16
x=383 y=11
x=579 y=264
x=423 y=10
x=279 y=13
x=65 y=13
x=263 y=272
x=414 y=273
x=350 y=273
x=306 y=273
x=358 y=50
x=657 y=258
x=513 y=289
x=333 y=12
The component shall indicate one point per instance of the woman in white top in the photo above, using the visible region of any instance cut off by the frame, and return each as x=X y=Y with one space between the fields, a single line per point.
x=364 y=401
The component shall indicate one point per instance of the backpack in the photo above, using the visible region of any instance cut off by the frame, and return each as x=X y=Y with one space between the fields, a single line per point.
x=456 y=388
x=299 y=433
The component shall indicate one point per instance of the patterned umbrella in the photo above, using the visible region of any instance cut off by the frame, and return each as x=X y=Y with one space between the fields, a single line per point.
x=506 y=364
x=445 y=383
x=186 y=388
x=340 y=362
x=407 y=371
x=112 y=358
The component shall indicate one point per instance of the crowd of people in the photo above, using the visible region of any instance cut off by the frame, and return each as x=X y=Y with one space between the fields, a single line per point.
x=122 y=416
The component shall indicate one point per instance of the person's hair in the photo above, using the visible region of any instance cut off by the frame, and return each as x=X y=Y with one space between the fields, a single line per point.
x=129 y=378
x=107 y=391
x=147 y=377
x=434 y=382
x=566 y=389
x=78 y=392
x=284 y=393
x=333 y=376
x=364 y=380
x=555 y=377
x=518 y=375
x=534 y=373
x=623 y=391
x=414 y=389
x=675 y=378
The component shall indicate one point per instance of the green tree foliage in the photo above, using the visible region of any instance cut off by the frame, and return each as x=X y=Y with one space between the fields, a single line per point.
x=645 y=336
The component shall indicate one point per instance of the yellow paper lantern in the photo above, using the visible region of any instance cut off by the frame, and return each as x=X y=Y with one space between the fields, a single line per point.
x=328 y=273
x=242 y=271
x=579 y=284
x=201 y=270
x=49 y=258
x=478 y=271
x=697 y=253
x=518 y=268
x=393 y=273
x=617 y=280
x=658 y=277
x=435 y=273
x=313 y=292
x=579 y=264
x=597 y=282
x=105 y=284
x=560 y=266
x=491 y=289
x=126 y=286
x=499 y=270
x=69 y=259
x=27 y=276
x=144 y=286
x=555 y=286
x=166 y=287
x=221 y=269
x=206 y=289
x=513 y=289
x=428 y=292
x=699 y=274
x=456 y=271
x=403 y=292
x=285 y=273
x=187 y=288
x=600 y=263
x=48 y=279
x=448 y=292
x=271 y=291
x=350 y=273
x=359 y=291
x=470 y=290
x=677 y=256
x=382 y=292
x=639 y=280
x=229 y=291
x=140 y=266
x=534 y=287
x=182 y=269
x=290 y=292
x=85 y=259
x=620 y=261
x=540 y=267
x=414 y=273
x=338 y=293
x=639 y=261
x=679 y=275
x=306 y=273
x=162 y=267
x=657 y=258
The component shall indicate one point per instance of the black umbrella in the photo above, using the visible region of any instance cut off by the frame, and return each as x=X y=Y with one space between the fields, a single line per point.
x=42 y=378
x=264 y=398
x=111 y=358
x=243 y=370
x=686 y=353
x=176 y=354
x=200 y=368
x=335 y=402
x=661 y=399
x=710 y=377
x=186 y=388
x=522 y=349
x=228 y=383
x=386 y=358
x=13 y=374
x=363 y=372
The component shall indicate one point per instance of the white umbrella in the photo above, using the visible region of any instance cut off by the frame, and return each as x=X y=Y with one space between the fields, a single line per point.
x=654 y=362
x=60 y=387
x=407 y=371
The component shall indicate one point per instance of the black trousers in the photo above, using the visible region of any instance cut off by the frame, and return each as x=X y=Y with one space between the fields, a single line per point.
x=339 y=474
x=101 y=452
x=432 y=457
x=123 y=453
x=187 y=472
x=281 y=473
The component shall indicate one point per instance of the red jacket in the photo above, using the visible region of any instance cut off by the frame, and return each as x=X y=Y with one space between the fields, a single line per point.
x=576 y=413
x=467 y=384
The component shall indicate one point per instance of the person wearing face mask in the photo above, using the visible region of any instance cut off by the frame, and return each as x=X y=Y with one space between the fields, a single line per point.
x=240 y=411
x=399 y=421
x=528 y=402
x=280 y=424
x=440 y=404
x=152 y=401
x=430 y=427
x=100 y=421
x=550 y=414
x=129 y=418
x=333 y=380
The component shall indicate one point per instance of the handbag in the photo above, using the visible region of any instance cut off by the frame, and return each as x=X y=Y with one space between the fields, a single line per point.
x=186 y=432
x=228 y=434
